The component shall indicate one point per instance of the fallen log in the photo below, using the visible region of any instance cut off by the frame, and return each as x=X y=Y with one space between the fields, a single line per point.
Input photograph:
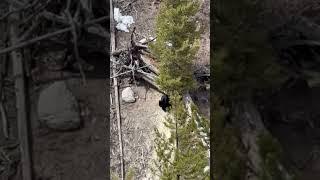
x=149 y=79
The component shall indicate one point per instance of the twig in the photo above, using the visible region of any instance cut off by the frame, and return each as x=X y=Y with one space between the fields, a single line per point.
x=116 y=90
x=113 y=61
x=29 y=31
x=132 y=69
x=49 y=35
x=53 y=17
x=35 y=13
x=133 y=44
x=150 y=40
x=75 y=44
x=23 y=8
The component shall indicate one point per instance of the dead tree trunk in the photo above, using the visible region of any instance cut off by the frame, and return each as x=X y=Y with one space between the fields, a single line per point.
x=22 y=116
x=116 y=92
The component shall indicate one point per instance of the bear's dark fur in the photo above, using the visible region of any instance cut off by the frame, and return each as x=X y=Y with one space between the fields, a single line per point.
x=164 y=102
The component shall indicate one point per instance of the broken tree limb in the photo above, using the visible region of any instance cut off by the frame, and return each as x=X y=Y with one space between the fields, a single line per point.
x=149 y=78
x=147 y=60
x=49 y=35
x=116 y=90
x=148 y=41
x=22 y=116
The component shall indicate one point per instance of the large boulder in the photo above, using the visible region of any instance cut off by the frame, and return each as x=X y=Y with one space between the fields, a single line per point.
x=58 y=108
x=127 y=95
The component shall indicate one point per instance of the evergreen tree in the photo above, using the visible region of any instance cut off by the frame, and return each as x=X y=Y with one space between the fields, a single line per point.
x=183 y=155
x=177 y=44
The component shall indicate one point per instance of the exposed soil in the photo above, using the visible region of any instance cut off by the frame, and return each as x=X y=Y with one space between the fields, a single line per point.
x=138 y=122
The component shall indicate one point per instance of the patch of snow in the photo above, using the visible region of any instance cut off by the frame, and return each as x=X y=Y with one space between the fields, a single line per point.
x=124 y=22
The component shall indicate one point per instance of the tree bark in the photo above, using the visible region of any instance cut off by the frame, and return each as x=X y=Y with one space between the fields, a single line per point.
x=116 y=92
x=22 y=116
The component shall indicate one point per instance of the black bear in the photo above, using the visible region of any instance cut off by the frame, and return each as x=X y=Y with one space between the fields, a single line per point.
x=164 y=102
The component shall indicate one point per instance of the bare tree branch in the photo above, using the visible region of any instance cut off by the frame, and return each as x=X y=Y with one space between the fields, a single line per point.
x=49 y=35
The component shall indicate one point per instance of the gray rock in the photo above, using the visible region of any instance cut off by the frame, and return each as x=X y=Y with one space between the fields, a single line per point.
x=58 y=108
x=127 y=95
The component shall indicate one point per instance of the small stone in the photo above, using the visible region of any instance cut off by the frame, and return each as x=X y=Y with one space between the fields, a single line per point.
x=127 y=95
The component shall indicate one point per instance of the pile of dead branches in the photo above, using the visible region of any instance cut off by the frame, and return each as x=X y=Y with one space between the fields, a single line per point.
x=76 y=28
x=135 y=62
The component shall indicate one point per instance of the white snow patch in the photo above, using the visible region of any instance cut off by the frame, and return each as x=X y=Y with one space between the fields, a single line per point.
x=124 y=22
